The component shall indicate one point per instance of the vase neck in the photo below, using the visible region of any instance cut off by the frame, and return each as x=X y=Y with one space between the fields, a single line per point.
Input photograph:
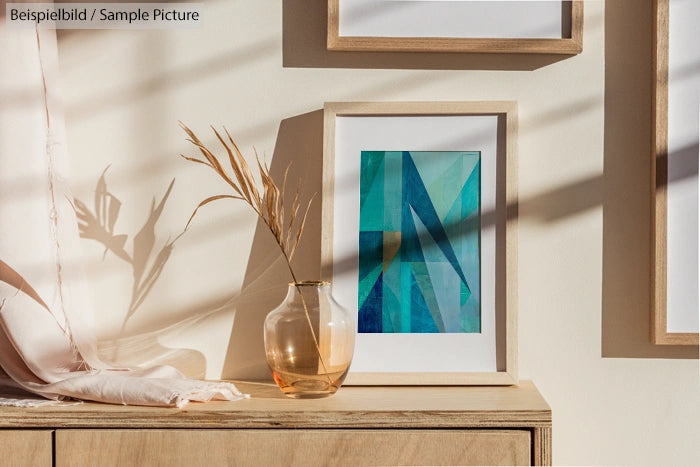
x=313 y=284
x=310 y=290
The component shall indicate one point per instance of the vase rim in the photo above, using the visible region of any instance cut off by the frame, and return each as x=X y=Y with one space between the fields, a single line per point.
x=317 y=283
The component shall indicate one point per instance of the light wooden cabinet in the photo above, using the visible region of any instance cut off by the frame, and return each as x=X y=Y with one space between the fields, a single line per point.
x=26 y=448
x=357 y=426
x=291 y=447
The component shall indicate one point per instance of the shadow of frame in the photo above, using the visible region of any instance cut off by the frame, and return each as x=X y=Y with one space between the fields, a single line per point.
x=299 y=143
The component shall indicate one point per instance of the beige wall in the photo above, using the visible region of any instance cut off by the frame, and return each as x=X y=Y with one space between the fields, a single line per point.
x=260 y=68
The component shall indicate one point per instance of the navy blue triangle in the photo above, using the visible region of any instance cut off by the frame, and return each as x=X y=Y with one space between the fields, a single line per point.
x=369 y=318
x=416 y=195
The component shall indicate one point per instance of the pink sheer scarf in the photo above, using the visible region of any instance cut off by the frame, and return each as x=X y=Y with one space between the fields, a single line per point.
x=47 y=340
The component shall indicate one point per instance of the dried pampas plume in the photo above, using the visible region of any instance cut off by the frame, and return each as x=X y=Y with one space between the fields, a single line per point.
x=268 y=203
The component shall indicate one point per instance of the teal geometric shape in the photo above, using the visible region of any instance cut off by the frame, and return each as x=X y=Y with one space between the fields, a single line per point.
x=392 y=287
x=445 y=189
x=463 y=222
x=406 y=295
x=464 y=214
x=367 y=283
x=370 y=252
x=392 y=192
x=447 y=290
x=467 y=198
x=470 y=314
x=390 y=303
x=431 y=251
x=427 y=289
x=370 y=165
x=369 y=314
x=410 y=251
x=421 y=318
x=372 y=197
x=369 y=287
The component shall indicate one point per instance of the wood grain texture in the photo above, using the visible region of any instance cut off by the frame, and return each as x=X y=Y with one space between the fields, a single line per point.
x=77 y=448
x=25 y=448
x=328 y=190
x=511 y=246
x=500 y=378
x=565 y=46
x=507 y=300
x=542 y=446
x=659 y=182
x=577 y=25
x=352 y=407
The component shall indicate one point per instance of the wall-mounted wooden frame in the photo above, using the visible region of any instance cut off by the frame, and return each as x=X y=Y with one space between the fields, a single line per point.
x=675 y=84
x=354 y=131
x=531 y=27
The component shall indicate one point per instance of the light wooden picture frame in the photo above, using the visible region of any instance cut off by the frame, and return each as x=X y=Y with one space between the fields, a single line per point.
x=674 y=262
x=464 y=26
x=352 y=130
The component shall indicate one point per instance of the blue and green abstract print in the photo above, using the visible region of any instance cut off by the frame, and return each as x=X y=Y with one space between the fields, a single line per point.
x=419 y=261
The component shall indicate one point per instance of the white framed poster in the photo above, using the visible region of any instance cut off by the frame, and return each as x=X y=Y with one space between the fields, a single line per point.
x=419 y=238
x=474 y=26
x=675 y=173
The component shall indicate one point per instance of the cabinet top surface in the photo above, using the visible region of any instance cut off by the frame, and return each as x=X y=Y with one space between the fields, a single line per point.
x=351 y=407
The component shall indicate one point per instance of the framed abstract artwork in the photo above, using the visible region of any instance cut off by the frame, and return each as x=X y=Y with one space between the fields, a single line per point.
x=474 y=26
x=419 y=238
x=674 y=175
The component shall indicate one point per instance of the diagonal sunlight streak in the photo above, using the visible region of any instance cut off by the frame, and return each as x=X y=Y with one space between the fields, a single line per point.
x=150 y=165
x=171 y=79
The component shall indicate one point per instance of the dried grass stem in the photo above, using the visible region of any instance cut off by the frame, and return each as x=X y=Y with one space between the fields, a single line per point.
x=268 y=204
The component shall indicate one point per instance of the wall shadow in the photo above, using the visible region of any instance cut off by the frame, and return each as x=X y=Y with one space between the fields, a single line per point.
x=627 y=187
x=299 y=143
x=304 y=46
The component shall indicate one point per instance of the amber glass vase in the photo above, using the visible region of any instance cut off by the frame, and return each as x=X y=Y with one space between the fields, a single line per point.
x=309 y=341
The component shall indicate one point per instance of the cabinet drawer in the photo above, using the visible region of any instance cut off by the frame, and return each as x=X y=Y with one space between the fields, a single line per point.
x=31 y=448
x=287 y=447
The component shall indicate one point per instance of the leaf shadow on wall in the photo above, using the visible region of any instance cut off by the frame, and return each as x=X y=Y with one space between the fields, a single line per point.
x=627 y=185
x=304 y=46
x=299 y=143
x=147 y=263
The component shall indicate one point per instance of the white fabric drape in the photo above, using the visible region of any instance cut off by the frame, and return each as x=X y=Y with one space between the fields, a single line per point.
x=47 y=341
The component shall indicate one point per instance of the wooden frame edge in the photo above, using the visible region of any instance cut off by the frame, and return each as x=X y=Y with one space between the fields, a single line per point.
x=659 y=178
x=565 y=46
x=659 y=133
x=512 y=240
x=508 y=376
x=333 y=25
x=577 y=24
x=328 y=188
